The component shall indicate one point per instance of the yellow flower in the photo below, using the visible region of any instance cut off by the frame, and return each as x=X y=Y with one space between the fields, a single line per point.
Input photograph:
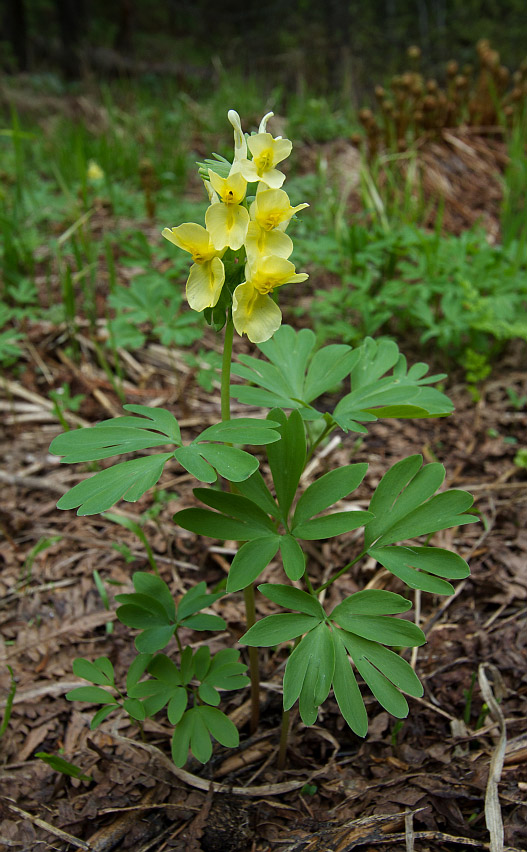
x=227 y=223
x=94 y=173
x=253 y=310
x=207 y=273
x=260 y=243
x=240 y=144
x=272 y=208
x=267 y=153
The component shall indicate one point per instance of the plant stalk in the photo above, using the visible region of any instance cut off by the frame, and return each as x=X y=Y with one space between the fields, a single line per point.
x=248 y=593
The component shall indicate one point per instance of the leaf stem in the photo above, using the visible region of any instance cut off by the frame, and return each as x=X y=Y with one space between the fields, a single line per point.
x=226 y=370
x=341 y=572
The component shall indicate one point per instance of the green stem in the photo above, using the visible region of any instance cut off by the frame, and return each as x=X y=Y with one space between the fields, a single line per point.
x=226 y=371
x=254 y=669
x=341 y=572
x=250 y=612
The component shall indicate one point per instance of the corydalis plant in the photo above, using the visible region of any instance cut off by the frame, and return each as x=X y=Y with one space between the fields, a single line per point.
x=240 y=258
x=241 y=255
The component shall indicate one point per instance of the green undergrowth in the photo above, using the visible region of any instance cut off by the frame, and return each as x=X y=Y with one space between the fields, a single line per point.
x=86 y=189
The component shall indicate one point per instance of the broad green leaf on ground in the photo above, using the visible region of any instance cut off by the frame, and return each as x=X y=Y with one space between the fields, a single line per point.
x=404 y=507
x=309 y=672
x=292 y=598
x=128 y=480
x=287 y=457
x=371 y=602
x=418 y=567
x=274 y=629
x=294 y=377
x=327 y=490
x=384 y=671
x=331 y=525
x=194 y=731
x=346 y=690
x=241 y=430
x=239 y=519
x=255 y=489
x=250 y=560
x=153 y=428
x=99 y=672
x=293 y=557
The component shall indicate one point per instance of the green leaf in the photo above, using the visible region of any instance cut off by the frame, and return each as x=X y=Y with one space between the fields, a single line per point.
x=200 y=744
x=329 y=366
x=331 y=525
x=309 y=672
x=101 y=715
x=202 y=662
x=293 y=557
x=60 y=765
x=255 y=489
x=292 y=598
x=204 y=621
x=380 y=628
x=287 y=457
x=103 y=441
x=404 y=508
x=381 y=668
x=250 y=561
x=195 y=599
x=137 y=616
x=278 y=628
x=416 y=565
x=162 y=668
x=177 y=705
x=371 y=602
x=135 y=709
x=216 y=525
x=327 y=490
x=128 y=480
x=92 y=694
x=220 y=726
x=237 y=507
x=154 y=639
x=242 y=430
x=100 y=671
x=181 y=738
x=190 y=458
x=233 y=464
x=155 y=587
x=137 y=670
x=346 y=690
x=209 y=694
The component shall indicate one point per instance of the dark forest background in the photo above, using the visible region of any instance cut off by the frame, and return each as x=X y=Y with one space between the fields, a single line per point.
x=331 y=47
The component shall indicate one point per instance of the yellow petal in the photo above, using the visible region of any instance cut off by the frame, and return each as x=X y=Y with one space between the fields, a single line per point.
x=204 y=284
x=227 y=225
x=273 y=178
x=192 y=238
x=263 y=147
x=231 y=190
x=255 y=315
x=240 y=144
x=259 y=242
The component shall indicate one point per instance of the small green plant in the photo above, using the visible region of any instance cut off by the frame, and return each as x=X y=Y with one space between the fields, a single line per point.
x=63 y=401
x=63 y=766
x=520 y=459
x=8 y=709
x=239 y=260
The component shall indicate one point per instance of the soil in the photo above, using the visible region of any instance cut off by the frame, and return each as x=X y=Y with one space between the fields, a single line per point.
x=422 y=784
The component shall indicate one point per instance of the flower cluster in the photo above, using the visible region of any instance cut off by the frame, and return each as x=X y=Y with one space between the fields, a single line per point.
x=252 y=228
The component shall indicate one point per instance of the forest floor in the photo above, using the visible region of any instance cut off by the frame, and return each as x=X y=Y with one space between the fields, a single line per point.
x=421 y=785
